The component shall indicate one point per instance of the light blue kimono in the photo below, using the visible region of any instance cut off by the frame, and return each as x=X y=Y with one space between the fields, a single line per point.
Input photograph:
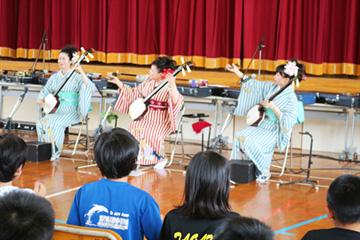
x=258 y=143
x=74 y=102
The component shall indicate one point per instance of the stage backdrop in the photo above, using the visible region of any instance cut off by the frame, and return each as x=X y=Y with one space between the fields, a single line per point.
x=323 y=34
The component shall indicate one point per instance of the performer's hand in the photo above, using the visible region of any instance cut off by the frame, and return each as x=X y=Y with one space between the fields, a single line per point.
x=171 y=79
x=79 y=69
x=233 y=68
x=40 y=189
x=112 y=79
x=40 y=102
x=271 y=105
x=267 y=104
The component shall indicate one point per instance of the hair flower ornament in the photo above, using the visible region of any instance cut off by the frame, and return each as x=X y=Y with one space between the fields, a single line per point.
x=165 y=72
x=292 y=70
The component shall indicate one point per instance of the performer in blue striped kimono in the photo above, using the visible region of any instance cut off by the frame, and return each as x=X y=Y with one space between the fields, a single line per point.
x=258 y=143
x=74 y=99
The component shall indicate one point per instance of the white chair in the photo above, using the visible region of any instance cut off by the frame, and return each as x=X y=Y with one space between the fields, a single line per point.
x=179 y=131
x=300 y=120
x=283 y=165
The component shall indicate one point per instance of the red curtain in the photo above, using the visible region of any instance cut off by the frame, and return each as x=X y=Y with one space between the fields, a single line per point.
x=323 y=34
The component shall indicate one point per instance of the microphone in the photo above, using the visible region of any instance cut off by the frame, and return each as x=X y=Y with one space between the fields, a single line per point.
x=44 y=36
x=40 y=73
x=6 y=71
x=262 y=39
x=248 y=78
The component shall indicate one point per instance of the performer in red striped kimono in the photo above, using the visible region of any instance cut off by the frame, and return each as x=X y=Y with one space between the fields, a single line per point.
x=151 y=129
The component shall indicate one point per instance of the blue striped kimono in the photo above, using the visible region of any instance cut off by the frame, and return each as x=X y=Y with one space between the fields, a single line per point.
x=74 y=103
x=258 y=143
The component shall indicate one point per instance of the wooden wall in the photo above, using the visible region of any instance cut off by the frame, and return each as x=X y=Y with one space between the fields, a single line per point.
x=330 y=84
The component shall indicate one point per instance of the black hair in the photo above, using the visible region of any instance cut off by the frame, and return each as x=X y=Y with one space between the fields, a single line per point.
x=343 y=197
x=116 y=152
x=243 y=228
x=69 y=50
x=13 y=151
x=25 y=215
x=301 y=72
x=207 y=187
x=164 y=63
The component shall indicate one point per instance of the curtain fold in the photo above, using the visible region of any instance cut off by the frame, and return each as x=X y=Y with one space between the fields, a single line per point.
x=323 y=34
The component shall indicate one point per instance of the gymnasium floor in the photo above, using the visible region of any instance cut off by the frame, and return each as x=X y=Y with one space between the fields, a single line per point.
x=290 y=210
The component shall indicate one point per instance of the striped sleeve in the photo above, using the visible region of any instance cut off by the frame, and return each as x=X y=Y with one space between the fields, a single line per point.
x=127 y=95
x=85 y=94
x=173 y=110
x=252 y=93
x=48 y=88
x=288 y=117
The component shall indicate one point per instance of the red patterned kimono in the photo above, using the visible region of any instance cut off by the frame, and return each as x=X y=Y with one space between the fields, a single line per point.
x=156 y=125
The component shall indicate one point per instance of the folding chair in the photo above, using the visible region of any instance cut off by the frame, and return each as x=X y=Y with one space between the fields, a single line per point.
x=283 y=166
x=71 y=232
x=300 y=120
x=178 y=132
x=80 y=137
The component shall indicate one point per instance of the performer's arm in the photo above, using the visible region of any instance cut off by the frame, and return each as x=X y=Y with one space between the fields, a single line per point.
x=271 y=105
x=233 y=68
x=40 y=102
x=48 y=88
x=174 y=93
x=112 y=79
x=127 y=95
x=82 y=73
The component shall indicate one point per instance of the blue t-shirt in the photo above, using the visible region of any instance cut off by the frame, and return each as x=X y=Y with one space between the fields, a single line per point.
x=117 y=206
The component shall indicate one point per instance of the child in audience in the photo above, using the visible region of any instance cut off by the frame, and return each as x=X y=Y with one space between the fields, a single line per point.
x=343 y=207
x=206 y=200
x=25 y=216
x=243 y=228
x=111 y=202
x=12 y=161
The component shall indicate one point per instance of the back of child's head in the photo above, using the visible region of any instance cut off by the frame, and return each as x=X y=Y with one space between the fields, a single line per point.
x=243 y=228
x=12 y=156
x=25 y=216
x=115 y=153
x=207 y=186
x=343 y=197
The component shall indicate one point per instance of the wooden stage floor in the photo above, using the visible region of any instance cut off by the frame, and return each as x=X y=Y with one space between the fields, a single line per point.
x=290 y=210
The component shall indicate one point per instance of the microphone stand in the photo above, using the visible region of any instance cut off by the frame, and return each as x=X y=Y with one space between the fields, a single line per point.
x=259 y=48
x=100 y=129
x=17 y=105
x=307 y=171
x=219 y=139
x=42 y=44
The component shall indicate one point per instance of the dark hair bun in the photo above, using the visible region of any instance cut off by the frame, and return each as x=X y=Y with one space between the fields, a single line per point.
x=164 y=63
x=69 y=50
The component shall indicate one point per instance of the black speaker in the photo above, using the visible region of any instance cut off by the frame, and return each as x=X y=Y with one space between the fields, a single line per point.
x=242 y=171
x=38 y=151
